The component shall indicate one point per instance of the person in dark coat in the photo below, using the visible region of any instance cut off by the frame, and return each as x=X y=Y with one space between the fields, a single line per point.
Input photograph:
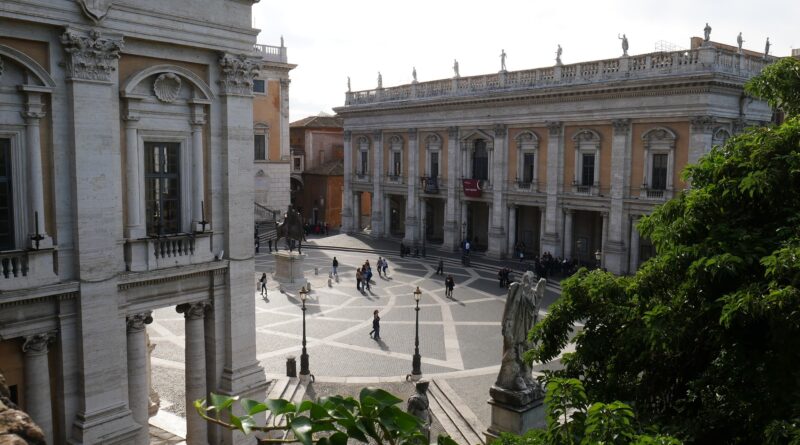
x=440 y=268
x=376 y=326
x=449 y=284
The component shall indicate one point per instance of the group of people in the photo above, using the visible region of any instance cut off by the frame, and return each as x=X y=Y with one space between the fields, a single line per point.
x=504 y=275
x=406 y=250
x=316 y=228
x=363 y=277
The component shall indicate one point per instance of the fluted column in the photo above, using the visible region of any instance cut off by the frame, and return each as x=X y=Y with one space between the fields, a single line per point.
x=567 y=234
x=379 y=225
x=37 y=382
x=634 y=260
x=551 y=239
x=195 y=362
x=452 y=231
x=348 y=218
x=138 y=389
x=198 y=171
x=135 y=224
x=33 y=147
x=412 y=200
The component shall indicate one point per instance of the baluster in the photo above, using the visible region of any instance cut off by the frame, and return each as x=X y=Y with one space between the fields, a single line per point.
x=5 y=267
x=15 y=266
x=191 y=246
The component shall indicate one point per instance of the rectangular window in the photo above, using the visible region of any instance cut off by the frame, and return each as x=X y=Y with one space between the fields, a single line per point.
x=297 y=164
x=259 y=86
x=396 y=163
x=659 y=179
x=162 y=187
x=260 y=147
x=527 y=168
x=364 y=162
x=587 y=170
x=6 y=202
x=435 y=165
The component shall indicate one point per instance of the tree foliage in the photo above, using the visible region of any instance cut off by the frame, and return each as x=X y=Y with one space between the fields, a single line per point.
x=704 y=341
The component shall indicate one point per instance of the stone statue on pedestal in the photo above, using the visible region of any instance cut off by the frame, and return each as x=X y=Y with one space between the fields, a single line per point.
x=766 y=48
x=558 y=55
x=707 y=33
x=514 y=382
x=419 y=406
x=348 y=85
x=380 y=80
x=739 y=41
x=455 y=68
x=502 y=60
x=414 y=74
x=624 y=39
x=291 y=228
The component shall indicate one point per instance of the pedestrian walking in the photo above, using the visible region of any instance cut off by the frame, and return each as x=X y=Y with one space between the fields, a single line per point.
x=359 y=277
x=440 y=268
x=449 y=284
x=335 y=266
x=379 y=265
x=375 y=333
x=402 y=249
x=263 y=282
x=385 y=267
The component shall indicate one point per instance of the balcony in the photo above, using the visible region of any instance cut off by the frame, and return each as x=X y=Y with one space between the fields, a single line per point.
x=168 y=251
x=585 y=190
x=526 y=186
x=362 y=177
x=431 y=185
x=22 y=269
x=395 y=179
x=654 y=194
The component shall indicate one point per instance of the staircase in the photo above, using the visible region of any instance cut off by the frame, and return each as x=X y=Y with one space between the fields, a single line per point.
x=454 y=415
x=291 y=389
x=265 y=220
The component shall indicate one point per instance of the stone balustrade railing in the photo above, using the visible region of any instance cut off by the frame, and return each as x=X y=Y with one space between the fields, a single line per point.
x=272 y=53
x=168 y=251
x=21 y=269
x=634 y=67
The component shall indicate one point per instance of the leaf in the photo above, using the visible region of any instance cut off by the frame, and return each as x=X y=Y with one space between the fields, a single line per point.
x=338 y=439
x=221 y=402
x=301 y=427
x=253 y=407
x=383 y=398
x=279 y=406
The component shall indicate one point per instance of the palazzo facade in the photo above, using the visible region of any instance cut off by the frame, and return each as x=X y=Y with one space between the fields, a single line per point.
x=126 y=185
x=563 y=159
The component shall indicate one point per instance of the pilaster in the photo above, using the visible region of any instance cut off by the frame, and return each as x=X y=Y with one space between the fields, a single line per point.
x=379 y=226
x=347 y=205
x=138 y=388
x=412 y=199
x=195 y=361
x=497 y=235
x=700 y=137
x=551 y=240
x=452 y=231
x=37 y=381
x=614 y=249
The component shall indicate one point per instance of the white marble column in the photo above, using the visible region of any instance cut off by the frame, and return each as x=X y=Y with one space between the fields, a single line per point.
x=37 y=382
x=452 y=229
x=614 y=249
x=551 y=241
x=567 y=234
x=348 y=218
x=195 y=362
x=33 y=147
x=379 y=225
x=499 y=159
x=412 y=200
x=512 y=229
x=634 y=260
x=135 y=224
x=198 y=171
x=138 y=388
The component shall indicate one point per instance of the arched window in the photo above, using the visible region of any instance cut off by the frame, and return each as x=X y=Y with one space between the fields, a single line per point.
x=587 y=162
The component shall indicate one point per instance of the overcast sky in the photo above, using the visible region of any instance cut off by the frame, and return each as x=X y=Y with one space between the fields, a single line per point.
x=330 y=40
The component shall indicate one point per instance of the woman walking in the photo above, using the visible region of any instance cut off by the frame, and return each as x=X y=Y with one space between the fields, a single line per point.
x=376 y=326
x=359 y=277
x=449 y=284
x=263 y=282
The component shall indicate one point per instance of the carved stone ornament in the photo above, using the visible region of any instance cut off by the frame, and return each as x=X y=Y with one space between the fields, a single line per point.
x=702 y=123
x=554 y=127
x=166 y=87
x=621 y=126
x=95 y=9
x=348 y=135
x=90 y=57
x=137 y=322
x=500 y=130
x=37 y=343
x=193 y=311
x=237 y=74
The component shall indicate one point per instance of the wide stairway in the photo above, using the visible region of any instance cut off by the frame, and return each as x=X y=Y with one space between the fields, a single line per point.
x=265 y=220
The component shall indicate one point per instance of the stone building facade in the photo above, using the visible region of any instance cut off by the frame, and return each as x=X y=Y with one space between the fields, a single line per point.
x=126 y=185
x=564 y=159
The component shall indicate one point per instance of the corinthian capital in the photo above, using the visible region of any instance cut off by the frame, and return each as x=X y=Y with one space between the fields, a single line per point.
x=137 y=322
x=701 y=123
x=37 y=343
x=554 y=127
x=193 y=311
x=621 y=126
x=91 y=56
x=237 y=73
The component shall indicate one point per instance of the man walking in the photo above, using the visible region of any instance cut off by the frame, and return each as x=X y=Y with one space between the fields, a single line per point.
x=263 y=282
x=449 y=284
x=440 y=268
x=335 y=266
x=376 y=326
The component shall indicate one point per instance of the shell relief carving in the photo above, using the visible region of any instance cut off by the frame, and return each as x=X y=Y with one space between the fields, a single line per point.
x=166 y=87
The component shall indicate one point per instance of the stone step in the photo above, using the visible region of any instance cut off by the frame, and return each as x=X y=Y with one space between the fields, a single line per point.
x=454 y=415
x=291 y=389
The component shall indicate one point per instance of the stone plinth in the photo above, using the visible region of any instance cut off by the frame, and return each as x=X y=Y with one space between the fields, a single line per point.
x=289 y=271
x=515 y=419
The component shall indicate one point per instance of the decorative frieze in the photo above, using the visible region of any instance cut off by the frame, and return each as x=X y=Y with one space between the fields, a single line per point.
x=90 y=56
x=37 y=343
x=702 y=123
x=237 y=74
x=554 y=127
x=137 y=322
x=193 y=311
x=621 y=126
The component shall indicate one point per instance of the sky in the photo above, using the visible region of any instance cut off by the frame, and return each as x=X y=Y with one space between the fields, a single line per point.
x=331 y=40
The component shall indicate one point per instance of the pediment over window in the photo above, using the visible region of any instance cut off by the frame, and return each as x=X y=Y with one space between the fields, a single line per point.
x=659 y=138
x=468 y=141
x=587 y=138
x=433 y=141
x=396 y=142
x=527 y=140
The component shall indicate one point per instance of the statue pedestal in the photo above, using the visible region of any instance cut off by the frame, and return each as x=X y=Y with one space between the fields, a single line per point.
x=515 y=412
x=515 y=419
x=289 y=271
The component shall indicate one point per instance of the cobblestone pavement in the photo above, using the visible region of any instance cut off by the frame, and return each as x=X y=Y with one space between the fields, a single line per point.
x=460 y=339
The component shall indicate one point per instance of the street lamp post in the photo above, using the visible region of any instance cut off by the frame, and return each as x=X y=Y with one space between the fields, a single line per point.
x=304 y=356
x=416 y=362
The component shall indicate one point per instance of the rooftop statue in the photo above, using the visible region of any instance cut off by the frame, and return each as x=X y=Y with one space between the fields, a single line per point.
x=414 y=74
x=766 y=48
x=455 y=68
x=739 y=41
x=558 y=55
x=348 y=85
x=707 y=33
x=380 y=80
x=502 y=60
x=624 y=39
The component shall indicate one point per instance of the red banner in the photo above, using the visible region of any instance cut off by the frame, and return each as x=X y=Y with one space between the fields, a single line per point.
x=472 y=188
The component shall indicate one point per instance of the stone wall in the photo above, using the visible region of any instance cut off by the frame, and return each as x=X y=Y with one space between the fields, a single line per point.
x=272 y=186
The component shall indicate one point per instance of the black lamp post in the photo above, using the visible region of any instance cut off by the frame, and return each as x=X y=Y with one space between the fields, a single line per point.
x=416 y=362
x=598 y=256
x=304 y=356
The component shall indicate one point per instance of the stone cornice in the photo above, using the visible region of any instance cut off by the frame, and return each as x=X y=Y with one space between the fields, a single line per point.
x=90 y=56
x=132 y=280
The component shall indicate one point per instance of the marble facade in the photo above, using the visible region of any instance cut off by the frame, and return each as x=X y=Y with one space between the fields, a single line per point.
x=126 y=131
x=567 y=158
